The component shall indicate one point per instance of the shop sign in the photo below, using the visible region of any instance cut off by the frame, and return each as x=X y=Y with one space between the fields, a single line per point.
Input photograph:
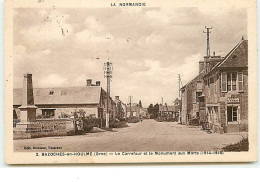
x=232 y=100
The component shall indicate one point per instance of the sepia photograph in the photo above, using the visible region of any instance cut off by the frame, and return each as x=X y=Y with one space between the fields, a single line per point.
x=131 y=79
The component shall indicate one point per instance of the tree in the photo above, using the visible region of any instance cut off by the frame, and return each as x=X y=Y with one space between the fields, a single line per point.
x=140 y=104
x=156 y=110
x=150 y=110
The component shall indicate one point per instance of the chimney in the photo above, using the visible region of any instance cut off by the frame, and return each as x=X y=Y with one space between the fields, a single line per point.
x=89 y=82
x=116 y=97
x=97 y=83
x=27 y=109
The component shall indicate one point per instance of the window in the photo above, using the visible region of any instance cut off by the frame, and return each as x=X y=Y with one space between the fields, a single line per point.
x=198 y=94
x=224 y=82
x=51 y=93
x=232 y=113
x=194 y=97
x=229 y=82
x=197 y=115
x=48 y=113
x=240 y=82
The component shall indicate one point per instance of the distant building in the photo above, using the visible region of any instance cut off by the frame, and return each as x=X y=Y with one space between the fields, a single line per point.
x=166 y=112
x=63 y=102
x=177 y=109
x=143 y=112
x=120 y=108
x=226 y=90
x=136 y=111
x=133 y=111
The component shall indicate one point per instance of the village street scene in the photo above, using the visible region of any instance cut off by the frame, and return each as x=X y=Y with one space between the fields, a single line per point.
x=96 y=98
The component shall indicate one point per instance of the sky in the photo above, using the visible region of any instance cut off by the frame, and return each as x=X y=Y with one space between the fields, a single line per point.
x=148 y=47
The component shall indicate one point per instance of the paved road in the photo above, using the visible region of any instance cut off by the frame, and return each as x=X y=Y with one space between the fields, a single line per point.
x=148 y=135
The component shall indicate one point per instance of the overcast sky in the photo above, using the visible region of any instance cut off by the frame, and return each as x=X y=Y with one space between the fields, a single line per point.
x=148 y=47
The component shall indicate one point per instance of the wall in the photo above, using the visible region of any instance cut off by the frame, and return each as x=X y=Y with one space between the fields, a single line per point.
x=184 y=106
x=220 y=99
x=46 y=128
x=64 y=109
x=189 y=107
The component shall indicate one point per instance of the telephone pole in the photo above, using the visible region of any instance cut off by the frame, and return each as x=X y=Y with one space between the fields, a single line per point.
x=130 y=103
x=108 y=67
x=180 y=84
x=208 y=46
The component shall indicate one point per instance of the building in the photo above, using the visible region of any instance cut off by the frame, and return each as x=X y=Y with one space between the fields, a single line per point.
x=177 y=109
x=226 y=90
x=219 y=93
x=166 y=113
x=133 y=110
x=143 y=112
x=193 y=102
x=136 y=110
x=64 y=102
x=120 y=108
x=190 y=93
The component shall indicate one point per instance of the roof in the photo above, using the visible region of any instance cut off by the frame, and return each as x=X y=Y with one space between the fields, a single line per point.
x=167 y=108
x=134 y=108
x=71 y=95
x=200 y=74
x=236 y=58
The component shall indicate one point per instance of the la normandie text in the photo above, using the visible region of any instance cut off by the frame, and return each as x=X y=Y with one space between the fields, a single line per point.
x=127 y=4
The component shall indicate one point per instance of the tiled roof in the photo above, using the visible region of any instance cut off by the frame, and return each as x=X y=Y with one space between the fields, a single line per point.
x=197 y=77
x=237 y=57
x=71 y=95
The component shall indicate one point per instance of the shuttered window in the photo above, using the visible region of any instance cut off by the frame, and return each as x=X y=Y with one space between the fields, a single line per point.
x=224 y=82
x=240 y=82
x=194 y=97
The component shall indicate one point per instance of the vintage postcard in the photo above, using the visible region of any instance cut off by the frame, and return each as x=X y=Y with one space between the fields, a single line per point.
x=130 y=81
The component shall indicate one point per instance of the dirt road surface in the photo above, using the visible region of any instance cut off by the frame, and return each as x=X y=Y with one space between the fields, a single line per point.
x=148 y=135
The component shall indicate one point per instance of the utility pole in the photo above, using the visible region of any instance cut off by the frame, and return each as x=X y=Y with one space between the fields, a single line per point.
x=108 y=67
x=162 y=100
x=130 y=103
x=180 y=84
x=208 y=46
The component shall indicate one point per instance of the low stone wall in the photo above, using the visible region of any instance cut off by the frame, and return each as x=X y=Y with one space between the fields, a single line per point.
x=46 y=128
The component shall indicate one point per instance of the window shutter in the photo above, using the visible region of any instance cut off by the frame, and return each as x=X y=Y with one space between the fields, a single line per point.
x=224 y=82
x=194 y=97
x=240 y=82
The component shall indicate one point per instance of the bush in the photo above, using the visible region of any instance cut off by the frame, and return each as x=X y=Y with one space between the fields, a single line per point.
x=194 y=121
x=133 y=120
x=243 y=126
x=243 y=145
x=89 y=123
x=117 y=124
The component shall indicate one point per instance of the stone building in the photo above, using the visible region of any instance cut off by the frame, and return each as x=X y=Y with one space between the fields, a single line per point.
x=226 y=90
x=190 y=108
x=63 y=102
x=193 y=109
